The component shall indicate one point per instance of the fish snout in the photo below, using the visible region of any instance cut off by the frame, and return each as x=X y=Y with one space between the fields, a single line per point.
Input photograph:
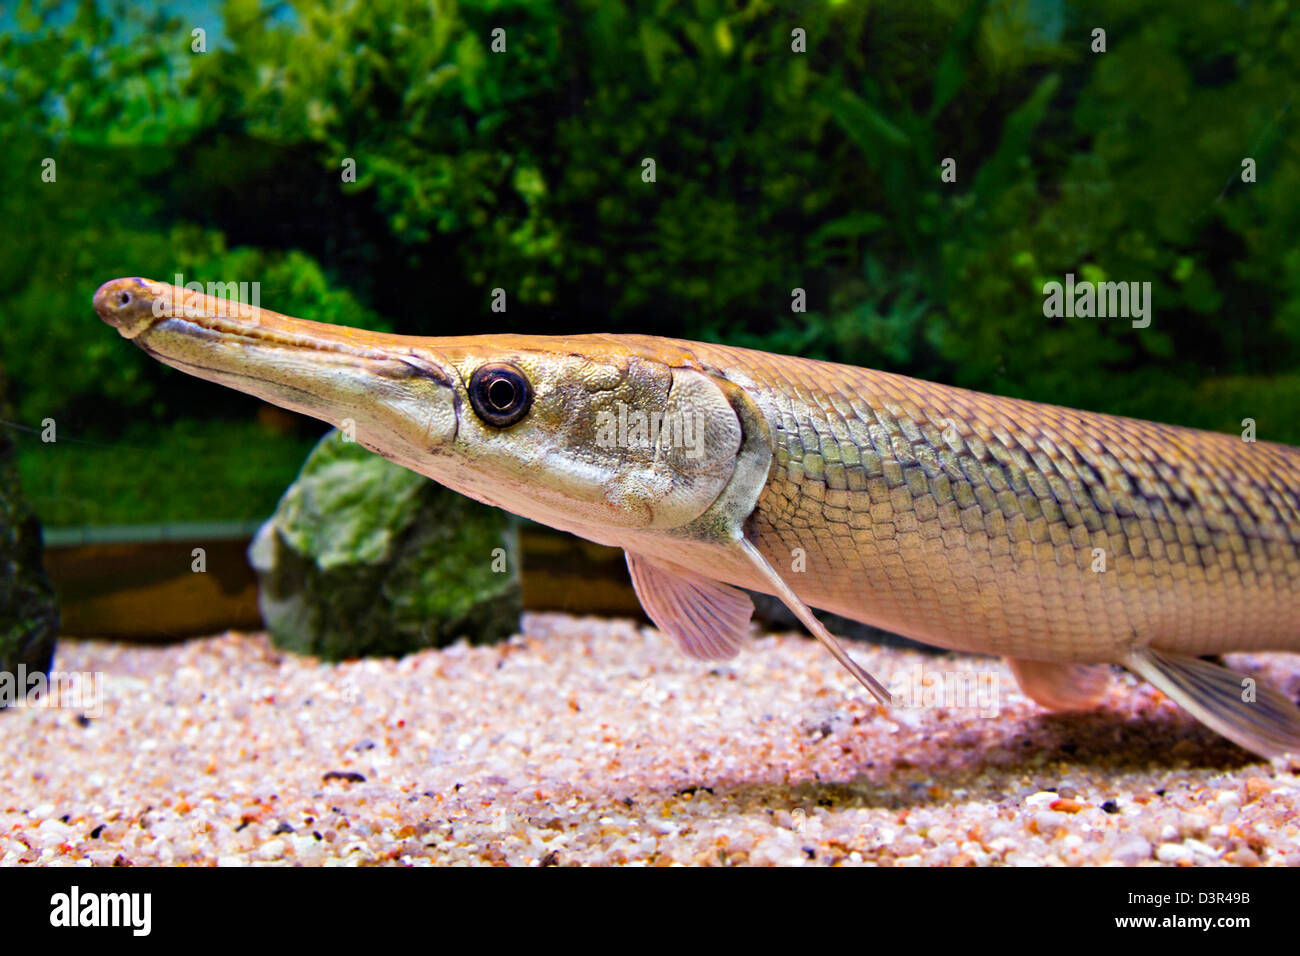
x=127 y=305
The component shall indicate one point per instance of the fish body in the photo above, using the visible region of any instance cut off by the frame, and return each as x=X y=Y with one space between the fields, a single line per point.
x=1063 y=540
x=1000 y=526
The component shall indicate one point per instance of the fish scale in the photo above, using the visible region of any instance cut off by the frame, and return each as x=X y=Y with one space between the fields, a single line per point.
x=983 y=541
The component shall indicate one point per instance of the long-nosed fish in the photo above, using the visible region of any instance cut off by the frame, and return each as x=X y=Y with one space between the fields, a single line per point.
x=1064 y=540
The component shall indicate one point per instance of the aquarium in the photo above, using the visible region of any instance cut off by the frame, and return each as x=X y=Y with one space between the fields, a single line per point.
x=604 y=433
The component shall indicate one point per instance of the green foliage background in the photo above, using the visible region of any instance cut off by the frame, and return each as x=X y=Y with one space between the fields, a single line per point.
x=775 y=170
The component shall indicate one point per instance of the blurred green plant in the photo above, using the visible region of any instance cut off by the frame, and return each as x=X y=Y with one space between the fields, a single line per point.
x=189 y=471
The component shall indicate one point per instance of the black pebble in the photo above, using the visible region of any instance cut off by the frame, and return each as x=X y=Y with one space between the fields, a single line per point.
x=347 y=776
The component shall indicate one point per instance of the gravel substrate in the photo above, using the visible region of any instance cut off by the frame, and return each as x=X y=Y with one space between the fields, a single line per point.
x=595 y=742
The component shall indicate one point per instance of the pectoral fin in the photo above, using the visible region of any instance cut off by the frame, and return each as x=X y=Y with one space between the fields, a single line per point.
x=710 y=620
x=1255 y=717
x=805 y=614
x=1061 y=687
x=707 y=619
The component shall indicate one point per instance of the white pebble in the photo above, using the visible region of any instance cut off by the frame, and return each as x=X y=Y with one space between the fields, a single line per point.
x=1173 y=853
x=1133 y=850
x=1202 y=849
x=270 y=850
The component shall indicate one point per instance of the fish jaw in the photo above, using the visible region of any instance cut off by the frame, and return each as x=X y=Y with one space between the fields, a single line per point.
x=571 y=462
x=382 y=390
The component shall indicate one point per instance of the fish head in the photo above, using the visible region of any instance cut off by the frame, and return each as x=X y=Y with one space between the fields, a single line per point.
x=372 y=387
x=587 y=433
x=596 y=434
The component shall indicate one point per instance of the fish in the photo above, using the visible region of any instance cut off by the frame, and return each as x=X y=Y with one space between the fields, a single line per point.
x=1069 y=542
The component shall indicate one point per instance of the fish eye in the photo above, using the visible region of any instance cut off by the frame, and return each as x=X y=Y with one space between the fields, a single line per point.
x=500 y=394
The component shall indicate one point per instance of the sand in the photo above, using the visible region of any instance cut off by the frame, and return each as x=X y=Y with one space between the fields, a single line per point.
x=585 y=741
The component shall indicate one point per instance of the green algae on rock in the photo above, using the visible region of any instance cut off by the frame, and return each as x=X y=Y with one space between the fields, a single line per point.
x=363 y=557
x=29 y=615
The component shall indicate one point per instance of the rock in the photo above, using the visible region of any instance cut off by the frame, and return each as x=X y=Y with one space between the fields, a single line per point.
x=1132 y=851
x=1257 y=787
x=29 y=615
x=364 y=557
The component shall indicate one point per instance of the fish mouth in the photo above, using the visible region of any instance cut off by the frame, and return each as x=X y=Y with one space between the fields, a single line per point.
x=396 y=393
x=127 y=304
x=165 y=319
